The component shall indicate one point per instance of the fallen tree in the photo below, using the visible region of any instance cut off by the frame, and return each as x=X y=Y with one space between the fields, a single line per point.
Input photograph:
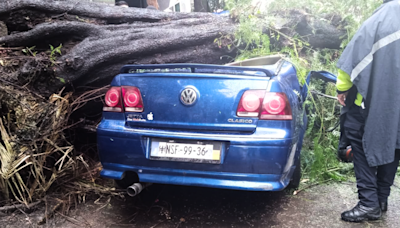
x=47 y=46
x=98 y=39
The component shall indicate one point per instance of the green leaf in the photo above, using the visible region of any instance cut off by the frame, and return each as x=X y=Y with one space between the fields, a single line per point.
x=62 y=80
x=58 y=49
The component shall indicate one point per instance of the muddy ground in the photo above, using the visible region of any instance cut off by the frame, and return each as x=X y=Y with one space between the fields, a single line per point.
x=180 y=206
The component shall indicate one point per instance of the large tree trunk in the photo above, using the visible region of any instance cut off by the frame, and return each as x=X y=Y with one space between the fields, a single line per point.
x=98 y=39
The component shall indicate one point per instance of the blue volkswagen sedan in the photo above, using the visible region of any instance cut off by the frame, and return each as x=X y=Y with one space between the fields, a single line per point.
x=238 y=126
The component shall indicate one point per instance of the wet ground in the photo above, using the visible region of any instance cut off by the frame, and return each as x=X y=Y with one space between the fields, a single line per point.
x=179 y=206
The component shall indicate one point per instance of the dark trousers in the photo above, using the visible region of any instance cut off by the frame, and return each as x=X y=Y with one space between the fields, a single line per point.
x=373 y=183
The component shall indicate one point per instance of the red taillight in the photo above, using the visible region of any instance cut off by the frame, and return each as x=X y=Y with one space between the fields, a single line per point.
x=113 y=100
x=276 y=107
x=265 y=105
x=132 y=99
x=274 y=104
x=249 y=105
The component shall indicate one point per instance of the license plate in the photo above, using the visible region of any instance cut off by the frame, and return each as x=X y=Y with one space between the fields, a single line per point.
x=189 y=152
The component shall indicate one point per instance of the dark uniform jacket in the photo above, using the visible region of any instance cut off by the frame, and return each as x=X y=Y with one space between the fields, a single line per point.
x=372 y=59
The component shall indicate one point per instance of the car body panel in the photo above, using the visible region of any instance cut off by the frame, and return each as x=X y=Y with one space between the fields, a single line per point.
x=217 y=99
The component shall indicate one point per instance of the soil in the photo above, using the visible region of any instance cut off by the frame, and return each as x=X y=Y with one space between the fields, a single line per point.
x=181 y=206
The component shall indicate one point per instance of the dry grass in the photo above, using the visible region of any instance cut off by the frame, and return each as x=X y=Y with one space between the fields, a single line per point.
x=34 y=151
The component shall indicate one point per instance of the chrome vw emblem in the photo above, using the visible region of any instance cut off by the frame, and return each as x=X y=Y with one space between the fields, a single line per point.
x=188 y=96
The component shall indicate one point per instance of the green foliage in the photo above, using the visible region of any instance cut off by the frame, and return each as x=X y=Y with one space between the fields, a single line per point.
x=30 y=51
x=354 y=12
x=62 y=80
x=53 y=52
x=237 y=5
x=250 y=39
x=319 y=159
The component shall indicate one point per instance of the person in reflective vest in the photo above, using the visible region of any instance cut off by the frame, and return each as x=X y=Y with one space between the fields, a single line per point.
x=369 y=72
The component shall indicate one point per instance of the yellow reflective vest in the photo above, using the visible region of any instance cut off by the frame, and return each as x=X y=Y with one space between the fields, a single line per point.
x=344 y=83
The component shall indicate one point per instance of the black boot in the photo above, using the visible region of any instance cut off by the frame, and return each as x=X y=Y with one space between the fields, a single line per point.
x=361 y=213
x=383 y=206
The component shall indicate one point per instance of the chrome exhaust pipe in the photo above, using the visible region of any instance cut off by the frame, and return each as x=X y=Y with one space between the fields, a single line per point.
x=136 y=188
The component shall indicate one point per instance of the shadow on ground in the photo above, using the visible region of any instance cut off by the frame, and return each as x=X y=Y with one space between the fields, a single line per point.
x=180 y=206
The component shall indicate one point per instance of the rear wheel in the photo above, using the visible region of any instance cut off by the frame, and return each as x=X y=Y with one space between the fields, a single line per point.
x=295 y=181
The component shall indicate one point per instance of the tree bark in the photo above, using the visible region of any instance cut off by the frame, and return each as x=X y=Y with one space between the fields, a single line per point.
x=97 y=37
x=325 y=31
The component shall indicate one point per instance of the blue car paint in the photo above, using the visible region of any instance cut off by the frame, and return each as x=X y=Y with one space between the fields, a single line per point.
x=257 y=156
x=186 y=117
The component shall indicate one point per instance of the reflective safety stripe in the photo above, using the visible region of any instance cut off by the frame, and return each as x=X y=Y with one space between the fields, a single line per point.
x=368 y=59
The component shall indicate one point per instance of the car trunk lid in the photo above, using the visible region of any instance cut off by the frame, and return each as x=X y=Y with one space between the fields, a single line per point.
x=193 y=98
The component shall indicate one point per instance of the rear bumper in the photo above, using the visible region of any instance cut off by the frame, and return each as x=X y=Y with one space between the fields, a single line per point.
x=262 y=161
x=236 y=181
